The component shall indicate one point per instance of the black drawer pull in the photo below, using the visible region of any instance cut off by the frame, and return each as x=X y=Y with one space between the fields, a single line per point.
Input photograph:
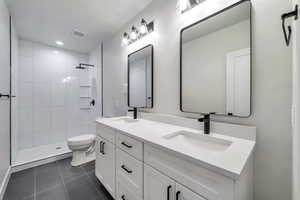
x=168 y=192
x=126 y=145
x=123 y=197
x=177 y=195
x=127 y=170
x=100 y=146
x=103 y=143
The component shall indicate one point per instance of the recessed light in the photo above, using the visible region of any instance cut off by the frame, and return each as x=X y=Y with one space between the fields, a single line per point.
x=59 y=43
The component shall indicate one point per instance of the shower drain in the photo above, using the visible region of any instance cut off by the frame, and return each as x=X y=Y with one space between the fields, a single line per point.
x=58 y=148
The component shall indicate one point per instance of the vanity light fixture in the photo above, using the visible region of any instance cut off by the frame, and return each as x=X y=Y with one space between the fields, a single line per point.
x=137 y=33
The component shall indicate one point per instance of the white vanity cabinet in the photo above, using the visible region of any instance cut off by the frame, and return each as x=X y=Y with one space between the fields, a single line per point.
x=131 y=168
x=106 y=162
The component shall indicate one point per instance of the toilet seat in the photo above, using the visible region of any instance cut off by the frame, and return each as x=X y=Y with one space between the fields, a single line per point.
x=81 y=140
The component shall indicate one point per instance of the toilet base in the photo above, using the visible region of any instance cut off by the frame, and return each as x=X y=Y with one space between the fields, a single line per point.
x=82 y=157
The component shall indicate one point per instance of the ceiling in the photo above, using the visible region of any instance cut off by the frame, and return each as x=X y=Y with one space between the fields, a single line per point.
x=49 y=20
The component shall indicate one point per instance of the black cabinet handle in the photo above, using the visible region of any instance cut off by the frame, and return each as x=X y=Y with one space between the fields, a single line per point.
x=126 y=145
x=103 y=143
x=168 y=192
x=123 y=197
x=100 y=147
x=126 y=169
x=177 y=195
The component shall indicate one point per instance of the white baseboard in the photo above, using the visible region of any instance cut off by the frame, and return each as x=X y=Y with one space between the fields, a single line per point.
x=5 y=182
x=39 y=162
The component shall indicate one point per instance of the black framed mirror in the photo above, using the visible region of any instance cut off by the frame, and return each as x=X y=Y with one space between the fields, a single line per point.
x=140 y=78
x=215 y=63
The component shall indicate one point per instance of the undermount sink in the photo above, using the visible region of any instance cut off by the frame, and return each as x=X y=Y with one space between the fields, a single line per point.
x=199 y=141
x=126 y=120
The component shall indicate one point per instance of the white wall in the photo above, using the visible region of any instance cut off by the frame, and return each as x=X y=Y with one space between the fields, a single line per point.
x=14 y=91
x=4 y=88
x=201 y=92
x=49 y=103
x=271 y=82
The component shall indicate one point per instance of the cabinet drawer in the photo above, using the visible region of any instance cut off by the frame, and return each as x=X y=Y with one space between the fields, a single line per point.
x=124 y=193
x=130 y=172
x=107 y=133
x=131 y=146
x=204 y=182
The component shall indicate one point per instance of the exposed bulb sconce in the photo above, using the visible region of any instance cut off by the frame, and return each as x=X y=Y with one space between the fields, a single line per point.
x=126 y=38
x=134 y=33
x=185 y=5
x=143 y=28
x=137 y=33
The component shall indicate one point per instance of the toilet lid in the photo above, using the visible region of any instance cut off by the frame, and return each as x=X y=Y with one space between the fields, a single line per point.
x=82 y=139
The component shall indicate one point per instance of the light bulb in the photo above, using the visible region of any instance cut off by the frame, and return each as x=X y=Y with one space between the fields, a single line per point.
x=125 y=38
x=143 y=28
x=134 y=33
x=182 y=5
x=125 y=41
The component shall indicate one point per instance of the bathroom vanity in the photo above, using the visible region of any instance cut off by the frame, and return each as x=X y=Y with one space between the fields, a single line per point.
x=151 y=160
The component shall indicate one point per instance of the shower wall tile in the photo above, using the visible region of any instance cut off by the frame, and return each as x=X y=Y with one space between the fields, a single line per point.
x=59 y=124
x=25 y=48
x=25 y=68
x=42 y=94
x=25 y=94
x=49 y=85
x=58 y=93
x=42 y=126
x=25 y=128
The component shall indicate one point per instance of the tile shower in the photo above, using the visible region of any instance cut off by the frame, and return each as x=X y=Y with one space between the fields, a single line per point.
x=52 y=101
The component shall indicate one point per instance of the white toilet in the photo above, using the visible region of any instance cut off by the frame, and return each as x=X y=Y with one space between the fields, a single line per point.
x=83 y=148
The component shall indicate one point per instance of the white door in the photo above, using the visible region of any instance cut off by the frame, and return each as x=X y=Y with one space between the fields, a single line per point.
x=106 y=164
x=238 y=81
x=4 y=89
x=183 y=193
x=157 y=186
x=296 y=107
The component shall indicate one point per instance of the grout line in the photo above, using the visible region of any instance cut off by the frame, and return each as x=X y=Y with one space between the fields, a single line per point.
x=61 y=177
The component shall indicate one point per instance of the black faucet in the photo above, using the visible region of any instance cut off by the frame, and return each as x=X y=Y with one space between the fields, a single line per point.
x=206 y=120
x=134 y=110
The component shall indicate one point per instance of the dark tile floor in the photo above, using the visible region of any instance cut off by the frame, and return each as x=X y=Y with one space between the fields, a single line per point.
x=56 y=181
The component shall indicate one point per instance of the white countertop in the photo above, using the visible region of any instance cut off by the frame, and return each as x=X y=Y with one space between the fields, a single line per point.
x=229 y=162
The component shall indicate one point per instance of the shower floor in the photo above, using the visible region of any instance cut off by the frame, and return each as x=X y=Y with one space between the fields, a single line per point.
x=39 y=153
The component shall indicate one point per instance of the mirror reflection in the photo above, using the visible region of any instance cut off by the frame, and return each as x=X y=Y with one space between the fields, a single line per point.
x=216 y=64
x=140 y=72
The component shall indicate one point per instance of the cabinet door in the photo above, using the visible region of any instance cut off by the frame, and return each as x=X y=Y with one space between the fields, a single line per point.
x=157 y=186
x=99 y=169
x=105 y=165
x=183 y=193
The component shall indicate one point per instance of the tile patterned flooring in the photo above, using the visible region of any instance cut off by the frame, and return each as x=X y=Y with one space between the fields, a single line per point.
x=56 y=181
